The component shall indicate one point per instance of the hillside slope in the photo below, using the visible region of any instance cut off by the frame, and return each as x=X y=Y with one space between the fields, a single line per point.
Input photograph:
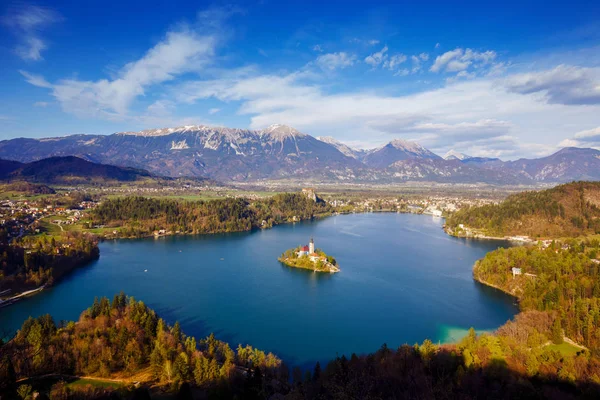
x=68 y=170
x=567 y=210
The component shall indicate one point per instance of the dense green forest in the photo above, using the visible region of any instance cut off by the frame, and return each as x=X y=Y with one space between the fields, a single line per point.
x=126 y=339
x=562 y=279
x=564 y=211
x=141 y=216
x=34 y=261
x=125 y=336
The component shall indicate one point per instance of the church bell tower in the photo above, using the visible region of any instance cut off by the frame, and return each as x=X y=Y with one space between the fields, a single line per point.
x=311 y=246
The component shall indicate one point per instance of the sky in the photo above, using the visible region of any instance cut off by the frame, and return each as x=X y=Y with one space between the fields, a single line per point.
x=503 y=79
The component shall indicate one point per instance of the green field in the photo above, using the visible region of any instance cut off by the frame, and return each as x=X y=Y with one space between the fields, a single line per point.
x=564 y=348
x=95 y=383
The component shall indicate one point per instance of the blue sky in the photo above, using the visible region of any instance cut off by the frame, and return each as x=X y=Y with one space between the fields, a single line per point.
x=508 y=79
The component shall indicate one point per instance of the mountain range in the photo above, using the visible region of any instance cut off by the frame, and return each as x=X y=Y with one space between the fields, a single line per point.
x=281 y=152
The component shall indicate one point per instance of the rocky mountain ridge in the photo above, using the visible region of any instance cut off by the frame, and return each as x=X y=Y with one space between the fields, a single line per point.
x=282 y=152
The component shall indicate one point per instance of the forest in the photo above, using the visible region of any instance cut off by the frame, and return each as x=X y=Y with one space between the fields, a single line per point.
x=33 y=261
x=124 y=338
x=141 y=216
x=567 y=210
x=562 y=279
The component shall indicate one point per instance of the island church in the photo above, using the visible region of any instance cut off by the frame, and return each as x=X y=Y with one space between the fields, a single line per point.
x=307 y=250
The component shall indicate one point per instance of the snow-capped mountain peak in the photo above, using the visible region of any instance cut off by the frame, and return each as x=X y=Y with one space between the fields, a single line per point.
x=406 y=145
x=280 y=132
x=342 y=147
x=455 y=155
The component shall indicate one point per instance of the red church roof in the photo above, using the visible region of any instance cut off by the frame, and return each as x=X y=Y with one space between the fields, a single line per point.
x=304 y=248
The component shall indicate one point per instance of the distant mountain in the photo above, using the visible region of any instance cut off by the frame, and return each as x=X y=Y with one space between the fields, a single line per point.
x=450 y=171
x=397 y=150
x=565 y=165
x=8 y=166
x=225 y=154
x=343 y=148
x=281 y=152
x=455 y=155
x=70 y=170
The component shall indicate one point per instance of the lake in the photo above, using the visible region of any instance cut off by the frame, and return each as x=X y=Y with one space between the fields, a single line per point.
x=402 y=280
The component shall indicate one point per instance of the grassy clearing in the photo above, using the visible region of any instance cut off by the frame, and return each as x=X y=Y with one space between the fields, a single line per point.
x=95 y=383
x=564 y=348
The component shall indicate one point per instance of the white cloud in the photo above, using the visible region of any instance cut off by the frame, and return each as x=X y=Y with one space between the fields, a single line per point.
x=393 y=62
x=424 y=56
x=36 y=80
x=333 y=61
x=441 y=61
x=317 y=47
x=585 y=138
x=377 y=58
x=437 y=45
x=460 y=60
x=214 y=111
x=480 y=113
x=563 y=84
x=402 y=72
x=42 y=104
x=27 y=23
x=369 y=42
x=179 y=52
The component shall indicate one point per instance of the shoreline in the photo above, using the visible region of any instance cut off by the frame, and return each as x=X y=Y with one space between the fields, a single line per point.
x=32 y=292
x=332 y=268
x=480 y=236
x=14 y=299
x=491 y=285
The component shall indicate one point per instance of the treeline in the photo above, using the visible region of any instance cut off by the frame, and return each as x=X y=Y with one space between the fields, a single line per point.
x=141 y=216
x=34 y=261
x=566 y=210
x=125 y=337
x=563 y=278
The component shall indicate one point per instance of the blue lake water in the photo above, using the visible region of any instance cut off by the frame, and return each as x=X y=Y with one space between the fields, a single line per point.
x=402 y=280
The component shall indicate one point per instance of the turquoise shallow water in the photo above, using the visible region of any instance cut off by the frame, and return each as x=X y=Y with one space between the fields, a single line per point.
x=402 y=280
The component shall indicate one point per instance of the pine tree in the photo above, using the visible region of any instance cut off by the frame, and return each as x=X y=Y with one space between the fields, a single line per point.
x=557 y=332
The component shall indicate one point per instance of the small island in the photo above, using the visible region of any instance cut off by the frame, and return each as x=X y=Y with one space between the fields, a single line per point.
x=308 y=257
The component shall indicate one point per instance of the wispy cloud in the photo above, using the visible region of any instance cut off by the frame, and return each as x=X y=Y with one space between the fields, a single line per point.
x=27 y=23
x=483 y=115
x=585 y=138
x=375 y=59
x=333 y=61
x=179 y=52
x=563 y=84
x=458 y=60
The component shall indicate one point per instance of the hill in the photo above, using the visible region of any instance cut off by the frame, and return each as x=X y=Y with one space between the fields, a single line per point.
x=567 y=210
x=68 y=170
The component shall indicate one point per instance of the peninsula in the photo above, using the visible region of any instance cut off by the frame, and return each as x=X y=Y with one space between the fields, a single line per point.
x=308 y=257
